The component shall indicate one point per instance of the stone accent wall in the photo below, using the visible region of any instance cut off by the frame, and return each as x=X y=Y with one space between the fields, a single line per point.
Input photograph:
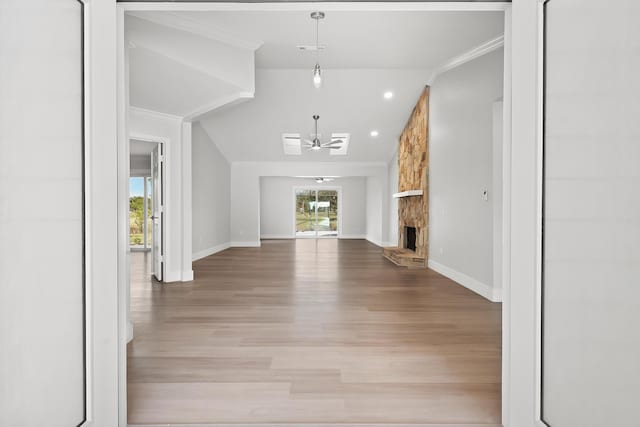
x=413 y=167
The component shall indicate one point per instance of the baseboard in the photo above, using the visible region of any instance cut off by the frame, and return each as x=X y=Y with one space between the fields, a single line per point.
x=172 y=276
x=129 y=331
x=316 y=425
x=353 y=236
x=374 y=241
x=210 y=251
x=187 y=276
x=493 y=295
x=380 y=243
x=276 y=236
x=250 y=244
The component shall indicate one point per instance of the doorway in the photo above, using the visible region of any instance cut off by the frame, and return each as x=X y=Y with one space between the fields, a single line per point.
x=146 y=201
x=316 y=212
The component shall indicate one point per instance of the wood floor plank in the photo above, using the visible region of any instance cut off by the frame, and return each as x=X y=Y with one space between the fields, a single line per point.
x=311 y=332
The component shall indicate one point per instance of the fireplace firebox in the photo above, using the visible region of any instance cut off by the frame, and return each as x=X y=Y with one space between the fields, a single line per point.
x=410 y=238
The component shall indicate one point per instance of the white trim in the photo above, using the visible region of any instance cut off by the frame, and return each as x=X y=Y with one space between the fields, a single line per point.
x=148 y=138
x=171 y=276
x=470 y=55
x=318 y=425
x=210 y=251
x=122 y=212
x=129 y=330
x=374 y=241
x=380 y=243
x=89 y=215
x=193 y=26
x=353 y=237
x=539 y=218
x=276 y=236
x=225 y=101
x=153 y=113
x=186 y=276
x=388 y=6
x=249 y=244
x=493 y=295
x=505 y=262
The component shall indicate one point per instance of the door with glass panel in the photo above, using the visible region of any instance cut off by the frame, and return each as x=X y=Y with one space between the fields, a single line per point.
x=316 y=213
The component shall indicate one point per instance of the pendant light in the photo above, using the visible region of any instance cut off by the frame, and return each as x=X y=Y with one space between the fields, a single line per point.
x=317 y=72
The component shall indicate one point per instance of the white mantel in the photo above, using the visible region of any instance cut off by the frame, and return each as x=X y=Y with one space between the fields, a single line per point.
x=407 y=193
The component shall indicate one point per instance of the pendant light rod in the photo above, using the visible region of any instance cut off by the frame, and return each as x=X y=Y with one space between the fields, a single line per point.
x=316 y=117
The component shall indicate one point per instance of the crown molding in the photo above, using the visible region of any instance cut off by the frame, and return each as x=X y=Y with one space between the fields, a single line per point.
x=470 y=55
x=153 y=113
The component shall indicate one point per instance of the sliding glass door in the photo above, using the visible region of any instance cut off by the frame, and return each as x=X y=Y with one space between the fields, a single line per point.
x=316 y=213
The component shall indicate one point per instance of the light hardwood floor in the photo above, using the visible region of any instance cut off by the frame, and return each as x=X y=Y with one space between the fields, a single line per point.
x=311 y=331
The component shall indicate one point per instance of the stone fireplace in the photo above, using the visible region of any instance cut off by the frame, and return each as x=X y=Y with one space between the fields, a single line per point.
x=413 y=190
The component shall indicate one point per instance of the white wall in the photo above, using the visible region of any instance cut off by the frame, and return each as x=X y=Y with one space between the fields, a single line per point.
x=375 y=208
x=460 y=162
x=245 y=190
x=393 y=203
x=211 y=195
x=177 y=233
x=277 y=205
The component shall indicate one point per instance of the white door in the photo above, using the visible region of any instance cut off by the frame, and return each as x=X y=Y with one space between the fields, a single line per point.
x=591 y=260
x=157 y=202
x=42 y=185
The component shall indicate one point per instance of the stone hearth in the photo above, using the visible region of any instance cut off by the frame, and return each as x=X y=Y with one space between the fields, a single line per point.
x=413 y=171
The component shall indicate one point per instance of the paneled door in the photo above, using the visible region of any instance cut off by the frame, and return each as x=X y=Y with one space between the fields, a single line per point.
x=157 y=206
x=42 y=215
x=591 y=221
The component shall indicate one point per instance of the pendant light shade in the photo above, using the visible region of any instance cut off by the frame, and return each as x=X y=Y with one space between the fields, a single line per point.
x=317 y=72
x=317 y=77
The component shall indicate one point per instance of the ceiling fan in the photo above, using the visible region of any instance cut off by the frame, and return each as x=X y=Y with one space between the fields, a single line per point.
x=316 y=145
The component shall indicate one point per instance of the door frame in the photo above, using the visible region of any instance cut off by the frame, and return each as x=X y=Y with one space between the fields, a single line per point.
x=522 y=35
x=338 y=189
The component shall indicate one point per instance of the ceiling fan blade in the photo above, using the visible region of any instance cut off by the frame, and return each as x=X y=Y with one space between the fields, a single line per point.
x=331 y=144
x=306 y=141
x=334 y=148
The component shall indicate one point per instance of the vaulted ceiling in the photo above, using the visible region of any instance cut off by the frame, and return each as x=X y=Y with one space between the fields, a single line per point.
x=175 y=68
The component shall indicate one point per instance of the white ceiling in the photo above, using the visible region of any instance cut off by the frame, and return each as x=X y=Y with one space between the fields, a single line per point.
x=356 y=39
x=367 y=53
x=350 y=101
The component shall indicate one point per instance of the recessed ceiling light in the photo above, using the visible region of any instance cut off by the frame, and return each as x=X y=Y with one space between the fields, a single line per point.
x=374 y=133
x=388 y=95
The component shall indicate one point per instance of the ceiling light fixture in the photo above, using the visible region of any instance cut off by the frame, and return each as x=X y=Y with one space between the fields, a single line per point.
x=374 y=133
x=388 y=95
x=317 y=72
